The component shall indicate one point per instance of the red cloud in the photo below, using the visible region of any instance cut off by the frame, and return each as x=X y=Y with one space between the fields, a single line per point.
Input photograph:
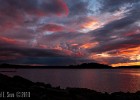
x=52 y=28
x=14 y=9
x=45 y=8
x=8 y=40
x=11 y=41
x=13 y=12
x=64 y=7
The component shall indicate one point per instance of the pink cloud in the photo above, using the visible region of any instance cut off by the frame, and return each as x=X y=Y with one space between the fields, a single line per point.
x=52 y=28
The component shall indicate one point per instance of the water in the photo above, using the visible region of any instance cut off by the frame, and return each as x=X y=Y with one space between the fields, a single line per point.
x=103 y=80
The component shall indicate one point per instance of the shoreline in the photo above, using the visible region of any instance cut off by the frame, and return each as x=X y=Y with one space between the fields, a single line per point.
x=82 y=66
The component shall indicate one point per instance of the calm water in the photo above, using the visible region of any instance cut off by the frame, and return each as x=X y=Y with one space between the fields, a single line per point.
x=104 y=80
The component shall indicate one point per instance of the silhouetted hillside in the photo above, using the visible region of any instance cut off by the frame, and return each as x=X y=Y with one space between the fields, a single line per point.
x=81 y=66
x=91 y=65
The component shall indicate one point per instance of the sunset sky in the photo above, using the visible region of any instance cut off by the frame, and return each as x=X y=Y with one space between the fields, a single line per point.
x=68 y=32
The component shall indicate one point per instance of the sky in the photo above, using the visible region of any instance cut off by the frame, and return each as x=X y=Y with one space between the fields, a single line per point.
x=69 y=32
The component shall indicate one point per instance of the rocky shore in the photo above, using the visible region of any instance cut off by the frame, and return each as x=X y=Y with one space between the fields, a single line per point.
x=19 y=88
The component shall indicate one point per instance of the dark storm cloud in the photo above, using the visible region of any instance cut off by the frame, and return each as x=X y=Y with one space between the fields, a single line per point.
x=22 y=34
x=52 y=27
x=14 y=54
x=32 y=52
x=130 y=17
x=80 y=7
x=118 y=29
x=49 y=61
x=16 y=13
x=56 y=32
x=113 y=5
x=110 y=29
x=35 y=7
x=116 y=45
x=124 y=37
x=115 y=60
x=63 y=36
x=15 y=47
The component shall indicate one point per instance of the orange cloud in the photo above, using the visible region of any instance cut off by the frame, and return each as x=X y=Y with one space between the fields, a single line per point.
x=89 y=45
x=102 y=58
x=126 y=64
x=90 y=24
x=131 y=53
x=131 y=56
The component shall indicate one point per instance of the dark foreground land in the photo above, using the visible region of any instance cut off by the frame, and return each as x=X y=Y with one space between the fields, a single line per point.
x=40 y=91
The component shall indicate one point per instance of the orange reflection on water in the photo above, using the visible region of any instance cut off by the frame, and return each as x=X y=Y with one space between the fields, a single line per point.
x=132 y=72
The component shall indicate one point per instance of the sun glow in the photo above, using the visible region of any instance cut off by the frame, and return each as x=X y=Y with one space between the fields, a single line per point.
x=126 y=64
x=90 y=25
x=89 y=45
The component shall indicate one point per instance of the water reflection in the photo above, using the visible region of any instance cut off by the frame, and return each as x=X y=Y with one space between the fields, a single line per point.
x=134 y=72
x=104 y=80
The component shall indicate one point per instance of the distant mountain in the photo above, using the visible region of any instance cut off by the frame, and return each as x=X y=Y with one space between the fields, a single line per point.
x=91 y=65
x=81 y=66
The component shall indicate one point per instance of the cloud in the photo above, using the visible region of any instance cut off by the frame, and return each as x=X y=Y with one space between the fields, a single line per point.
x=53 y=61
x=106 y=58
x=22 y=55
x=33 y=52
x=115 y=44
x=79 y=8
x=115 y=34
x=117 y=38
x=52 y=28
x=14 y=12
x=34 y=7
x=111 y=6
x=49 y=31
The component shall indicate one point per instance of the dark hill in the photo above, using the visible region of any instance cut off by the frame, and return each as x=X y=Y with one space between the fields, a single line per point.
x=91 y=65
x=81 y=66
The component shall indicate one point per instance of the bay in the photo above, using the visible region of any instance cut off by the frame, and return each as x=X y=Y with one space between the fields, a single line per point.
x=102 y=80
